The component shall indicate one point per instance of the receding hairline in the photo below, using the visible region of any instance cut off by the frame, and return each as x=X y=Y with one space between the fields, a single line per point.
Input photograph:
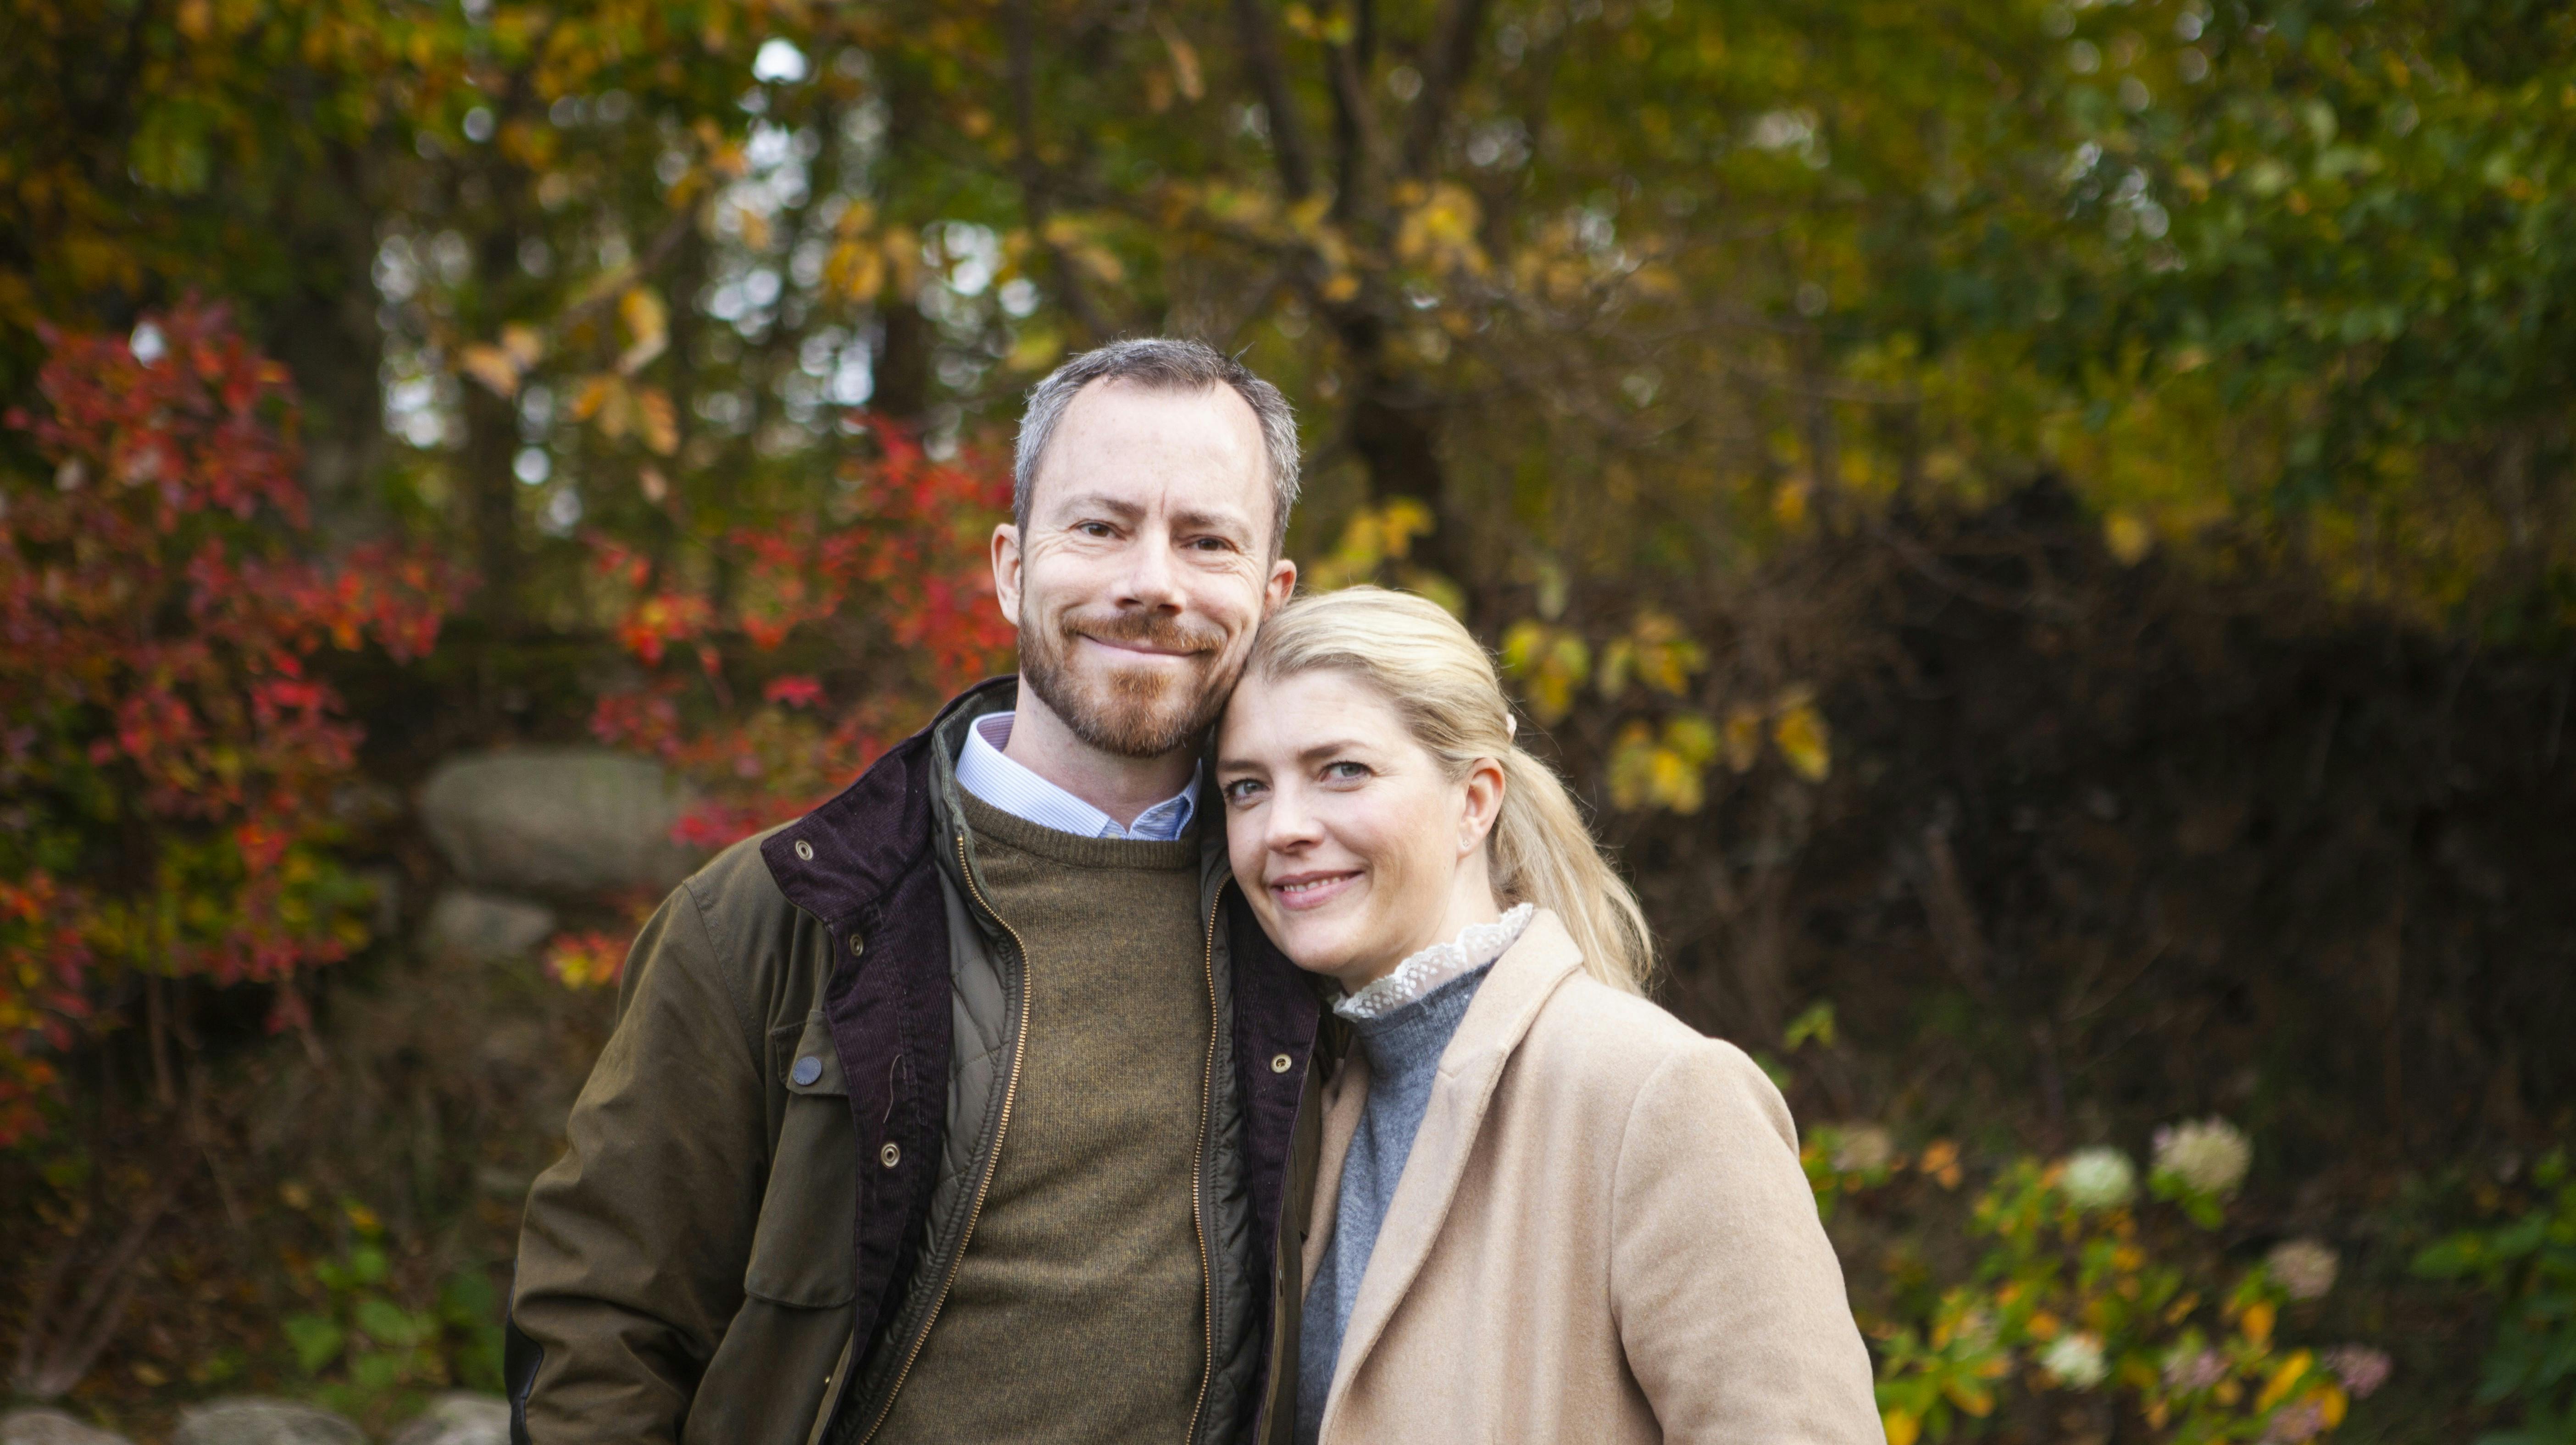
x=1178 y=365
x=1259 y=513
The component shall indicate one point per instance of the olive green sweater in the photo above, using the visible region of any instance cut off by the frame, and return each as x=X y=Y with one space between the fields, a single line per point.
x=1078 y=1312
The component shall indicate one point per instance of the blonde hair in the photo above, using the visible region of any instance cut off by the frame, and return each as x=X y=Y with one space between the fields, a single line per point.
x=1432 y=671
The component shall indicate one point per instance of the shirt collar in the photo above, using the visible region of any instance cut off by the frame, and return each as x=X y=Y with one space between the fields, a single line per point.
x=983 y=771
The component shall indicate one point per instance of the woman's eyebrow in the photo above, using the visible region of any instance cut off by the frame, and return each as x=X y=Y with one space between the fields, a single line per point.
x=1321 y=751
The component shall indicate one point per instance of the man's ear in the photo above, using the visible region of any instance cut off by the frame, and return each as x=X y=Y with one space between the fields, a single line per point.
x=1006 y=571
x=1282 y=583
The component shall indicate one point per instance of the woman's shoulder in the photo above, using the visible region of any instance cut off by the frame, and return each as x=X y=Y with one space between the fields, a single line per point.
x=1593 y=1034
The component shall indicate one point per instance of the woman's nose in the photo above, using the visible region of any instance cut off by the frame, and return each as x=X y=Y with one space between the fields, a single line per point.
x=1288 y=823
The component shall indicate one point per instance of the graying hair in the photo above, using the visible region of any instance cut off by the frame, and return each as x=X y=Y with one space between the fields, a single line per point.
x=1159 y=363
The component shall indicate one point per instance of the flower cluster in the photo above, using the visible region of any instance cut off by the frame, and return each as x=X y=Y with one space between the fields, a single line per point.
x=2081 y=1292
x=2209 y=1156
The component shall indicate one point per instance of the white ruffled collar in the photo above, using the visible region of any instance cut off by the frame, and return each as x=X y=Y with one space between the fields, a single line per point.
x=1475 y=946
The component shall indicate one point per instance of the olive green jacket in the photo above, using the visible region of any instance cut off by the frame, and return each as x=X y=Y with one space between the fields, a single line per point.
x=781 y=1153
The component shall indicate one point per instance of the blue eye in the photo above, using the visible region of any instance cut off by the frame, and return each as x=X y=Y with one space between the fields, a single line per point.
x=1346 y=771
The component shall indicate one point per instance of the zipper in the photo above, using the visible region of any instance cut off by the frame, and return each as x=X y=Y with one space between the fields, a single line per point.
x=1198 y=1168
x=983 y=1186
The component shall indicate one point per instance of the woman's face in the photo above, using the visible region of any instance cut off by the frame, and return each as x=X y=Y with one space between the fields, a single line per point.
x=1353 y=847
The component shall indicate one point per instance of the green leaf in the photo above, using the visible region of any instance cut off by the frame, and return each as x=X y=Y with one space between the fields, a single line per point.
x=1815 y=1023
x=390 y=1324
x=315 y=1340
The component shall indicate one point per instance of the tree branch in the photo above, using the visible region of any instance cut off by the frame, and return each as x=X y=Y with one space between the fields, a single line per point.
x=1270 y=76
x=1032 y=172
x=1452 y=55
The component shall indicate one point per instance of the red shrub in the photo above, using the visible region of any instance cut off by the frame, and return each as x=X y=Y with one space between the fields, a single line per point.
x=168 y=757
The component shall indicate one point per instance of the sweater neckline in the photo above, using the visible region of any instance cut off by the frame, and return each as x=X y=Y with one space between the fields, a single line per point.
x=1476 y=945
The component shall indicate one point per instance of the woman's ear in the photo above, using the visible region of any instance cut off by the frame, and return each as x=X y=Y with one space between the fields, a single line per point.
x=1484 y=801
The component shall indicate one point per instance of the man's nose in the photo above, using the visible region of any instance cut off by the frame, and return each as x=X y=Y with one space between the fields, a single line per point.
x=1152 y=581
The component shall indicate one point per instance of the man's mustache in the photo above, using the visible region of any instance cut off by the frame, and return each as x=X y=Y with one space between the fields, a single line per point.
x=1164 y=634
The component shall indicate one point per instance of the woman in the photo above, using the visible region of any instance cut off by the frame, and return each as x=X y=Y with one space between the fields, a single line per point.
x=1547 y=1210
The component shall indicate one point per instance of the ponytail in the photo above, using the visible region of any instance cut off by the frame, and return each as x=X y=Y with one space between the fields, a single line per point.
x=1442 y=683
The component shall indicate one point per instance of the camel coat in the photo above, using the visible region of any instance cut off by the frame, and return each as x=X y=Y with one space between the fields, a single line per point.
x=1602 y=1234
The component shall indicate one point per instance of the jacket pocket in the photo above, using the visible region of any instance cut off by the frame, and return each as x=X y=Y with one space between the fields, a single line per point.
x=803 y=1251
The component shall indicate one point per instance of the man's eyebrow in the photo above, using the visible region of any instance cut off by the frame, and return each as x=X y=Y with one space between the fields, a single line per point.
x=1212 y=521
x=1102 y=502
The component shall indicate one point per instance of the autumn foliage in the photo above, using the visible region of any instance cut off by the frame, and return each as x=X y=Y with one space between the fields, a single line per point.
x=836 y=635
x=170 y=753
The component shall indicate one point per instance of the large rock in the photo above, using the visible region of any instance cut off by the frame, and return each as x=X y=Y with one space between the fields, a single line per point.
x=251 y=1421
x=469 y=926
x=459 y=1418
x=564 y=819
x=52 y=1427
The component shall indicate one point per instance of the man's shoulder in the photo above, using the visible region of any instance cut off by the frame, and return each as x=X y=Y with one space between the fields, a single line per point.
x=738 y=878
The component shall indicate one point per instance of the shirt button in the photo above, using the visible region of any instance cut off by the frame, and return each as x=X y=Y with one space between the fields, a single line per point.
x=890 y=1155
x=858 y=945
x=804 y=850
x=808 y=1069
x=1280 y=1065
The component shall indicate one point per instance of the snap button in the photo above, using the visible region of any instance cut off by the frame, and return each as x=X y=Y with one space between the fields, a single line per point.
x=804 y=850
x=890 y=1155
x=1281 y=1064
x=858 y=945
x=808 y=1069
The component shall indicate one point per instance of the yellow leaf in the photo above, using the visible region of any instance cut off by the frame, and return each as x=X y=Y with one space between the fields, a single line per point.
x=2277 y=1387
x=2258 y=1322
x=659 y=423
x=1632 y=767
x=493 y=367
x=1789 y=504
x=1676 y=784
x=525 y=345
x=593 y=395
x=2333 y=1403
x=1692 y=738
x=647 y=324
x=1185 y=59
x=1976 y=1400
x=856 y=271
x=2128 y=536
x=1743 y=738
x=1902 y=1427
x=1035 y=350
x=1800 y=735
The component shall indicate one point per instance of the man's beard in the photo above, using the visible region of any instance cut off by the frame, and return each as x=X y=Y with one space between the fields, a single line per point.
x=1141 y=712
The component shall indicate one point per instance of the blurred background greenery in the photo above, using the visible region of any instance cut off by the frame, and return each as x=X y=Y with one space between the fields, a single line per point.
x=2043 y=531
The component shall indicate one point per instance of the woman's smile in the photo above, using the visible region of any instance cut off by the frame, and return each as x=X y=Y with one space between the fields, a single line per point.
x=1301 y=891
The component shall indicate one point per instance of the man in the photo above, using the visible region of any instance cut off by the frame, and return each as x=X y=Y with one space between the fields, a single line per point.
x=963 y=1107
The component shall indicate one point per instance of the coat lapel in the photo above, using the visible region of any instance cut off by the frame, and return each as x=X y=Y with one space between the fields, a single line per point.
x=1505 y=1005
x=1344 y=1094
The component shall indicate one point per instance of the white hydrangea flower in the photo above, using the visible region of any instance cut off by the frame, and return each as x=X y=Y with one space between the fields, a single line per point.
x=2304 y=1268
x=2210 y=1156
x=2076 y=1360
x=2099 y=1178
x=1863 y=1147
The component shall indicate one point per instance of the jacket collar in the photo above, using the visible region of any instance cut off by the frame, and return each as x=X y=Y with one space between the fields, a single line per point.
x=1506 y=1004
x=856 y=848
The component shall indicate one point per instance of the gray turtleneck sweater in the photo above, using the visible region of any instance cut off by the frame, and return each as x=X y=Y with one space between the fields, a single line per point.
x=1404 y=1049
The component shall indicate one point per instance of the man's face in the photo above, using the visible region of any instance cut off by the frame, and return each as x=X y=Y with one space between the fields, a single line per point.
x=1146 y=565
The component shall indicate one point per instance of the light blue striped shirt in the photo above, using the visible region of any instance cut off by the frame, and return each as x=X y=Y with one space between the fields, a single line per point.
x=983 y=771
